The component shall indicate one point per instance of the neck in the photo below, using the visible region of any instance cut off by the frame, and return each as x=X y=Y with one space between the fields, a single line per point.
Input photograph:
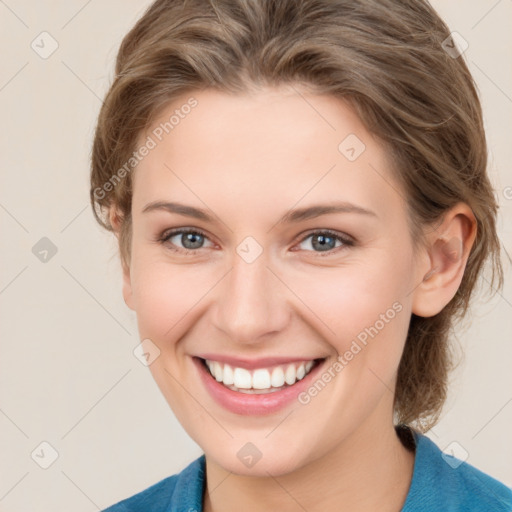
x=369 y=470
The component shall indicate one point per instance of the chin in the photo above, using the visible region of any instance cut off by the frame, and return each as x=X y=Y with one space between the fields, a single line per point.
x=247 y=460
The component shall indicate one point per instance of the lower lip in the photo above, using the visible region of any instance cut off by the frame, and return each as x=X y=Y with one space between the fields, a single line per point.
x=254 y=404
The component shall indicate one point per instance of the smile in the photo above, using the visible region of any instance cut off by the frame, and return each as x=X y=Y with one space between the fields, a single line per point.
x=260 y=380
x=258 y=390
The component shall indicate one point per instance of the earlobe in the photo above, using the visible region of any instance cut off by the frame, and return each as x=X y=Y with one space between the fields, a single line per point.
x=127 y=287
x=115 y=221
x=448 y=246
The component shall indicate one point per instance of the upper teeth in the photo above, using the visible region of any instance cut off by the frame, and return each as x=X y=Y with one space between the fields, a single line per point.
x=261 y=378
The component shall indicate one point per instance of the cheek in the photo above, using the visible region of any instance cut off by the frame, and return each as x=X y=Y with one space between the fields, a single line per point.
x=363 y=312
x=349 y=299
x=166 y=297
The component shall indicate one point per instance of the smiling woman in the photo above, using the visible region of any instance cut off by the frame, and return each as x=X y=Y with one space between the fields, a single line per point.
x=297 y=248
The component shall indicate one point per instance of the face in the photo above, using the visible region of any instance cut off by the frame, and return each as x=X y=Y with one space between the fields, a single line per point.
x=263 y=280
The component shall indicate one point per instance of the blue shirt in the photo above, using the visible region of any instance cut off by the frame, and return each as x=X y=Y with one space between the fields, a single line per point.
x=440 y=483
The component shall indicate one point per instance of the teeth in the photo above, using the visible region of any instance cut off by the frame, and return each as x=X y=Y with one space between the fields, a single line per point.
x=260 y=379
x=227 y=375
x=242 y=378
x=277 y=378
x=290 y=375
x=217 y=371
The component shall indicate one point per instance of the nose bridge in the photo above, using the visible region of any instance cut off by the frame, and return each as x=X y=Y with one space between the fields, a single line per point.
x=251 y=303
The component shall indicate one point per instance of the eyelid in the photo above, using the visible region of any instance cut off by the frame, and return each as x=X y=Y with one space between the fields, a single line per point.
x=344 y=237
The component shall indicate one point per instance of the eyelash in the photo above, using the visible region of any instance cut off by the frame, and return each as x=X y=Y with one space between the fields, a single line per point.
x=166 y=235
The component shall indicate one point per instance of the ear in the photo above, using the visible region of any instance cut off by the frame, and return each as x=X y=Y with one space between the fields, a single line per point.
x=116 y=222
x=447 y=250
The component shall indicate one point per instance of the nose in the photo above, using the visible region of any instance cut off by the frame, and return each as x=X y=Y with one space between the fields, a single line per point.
x=252 y=302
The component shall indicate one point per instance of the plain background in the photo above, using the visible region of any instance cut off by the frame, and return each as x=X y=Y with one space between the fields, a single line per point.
x=68 y=375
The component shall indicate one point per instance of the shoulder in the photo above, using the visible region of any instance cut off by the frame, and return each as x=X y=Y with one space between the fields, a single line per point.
x=154 y=498
x=184 y=488
x=441 y=482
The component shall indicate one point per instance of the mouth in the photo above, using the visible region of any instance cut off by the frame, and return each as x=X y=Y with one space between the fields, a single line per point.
x=258 y=391
x=261 y=380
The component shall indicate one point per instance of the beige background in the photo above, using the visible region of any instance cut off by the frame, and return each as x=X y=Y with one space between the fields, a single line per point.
x=67 y=372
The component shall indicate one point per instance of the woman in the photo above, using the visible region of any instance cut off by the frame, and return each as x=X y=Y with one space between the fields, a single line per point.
x=300 y=195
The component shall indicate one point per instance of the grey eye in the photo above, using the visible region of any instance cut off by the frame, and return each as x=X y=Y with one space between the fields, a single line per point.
x=323 y=242
x=185 y=240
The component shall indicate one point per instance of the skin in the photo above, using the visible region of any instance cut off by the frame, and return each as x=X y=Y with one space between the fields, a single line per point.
x=248 y=160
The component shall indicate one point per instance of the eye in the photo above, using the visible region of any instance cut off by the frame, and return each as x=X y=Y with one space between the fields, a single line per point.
x=325 y=242
x=191 y=239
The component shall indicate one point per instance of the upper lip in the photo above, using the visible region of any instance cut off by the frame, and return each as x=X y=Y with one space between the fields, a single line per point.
x=250 y=364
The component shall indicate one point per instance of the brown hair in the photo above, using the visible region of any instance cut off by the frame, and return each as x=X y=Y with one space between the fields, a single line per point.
x=386 y=58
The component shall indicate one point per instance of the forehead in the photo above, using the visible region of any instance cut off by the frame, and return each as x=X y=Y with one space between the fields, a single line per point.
x=277 y=146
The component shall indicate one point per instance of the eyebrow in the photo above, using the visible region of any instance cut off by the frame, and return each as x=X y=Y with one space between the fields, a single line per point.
x=293 y=216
